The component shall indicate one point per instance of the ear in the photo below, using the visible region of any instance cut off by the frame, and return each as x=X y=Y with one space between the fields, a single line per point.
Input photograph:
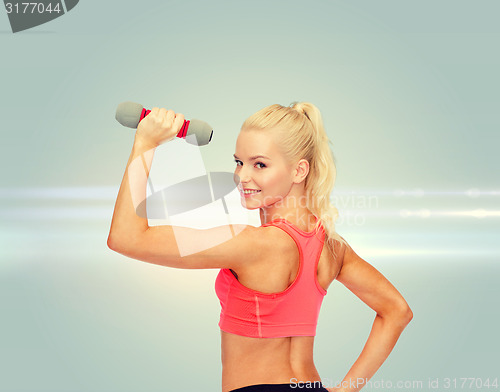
x=301 y=171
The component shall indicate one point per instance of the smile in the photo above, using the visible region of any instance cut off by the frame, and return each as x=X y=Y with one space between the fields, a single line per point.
x=249 y=192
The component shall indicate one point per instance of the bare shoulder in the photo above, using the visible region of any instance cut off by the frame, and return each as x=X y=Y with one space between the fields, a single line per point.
x=270 y=243
x=341 y=249
x=348 y=256
x=337 y=256
x=277 y=238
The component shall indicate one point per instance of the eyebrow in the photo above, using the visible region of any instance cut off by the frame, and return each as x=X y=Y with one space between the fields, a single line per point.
x=255 y=157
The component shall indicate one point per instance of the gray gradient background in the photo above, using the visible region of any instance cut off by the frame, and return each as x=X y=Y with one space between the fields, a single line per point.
x=409 y=97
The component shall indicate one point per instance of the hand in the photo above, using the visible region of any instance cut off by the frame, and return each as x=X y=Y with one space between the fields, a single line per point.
x=159 y=126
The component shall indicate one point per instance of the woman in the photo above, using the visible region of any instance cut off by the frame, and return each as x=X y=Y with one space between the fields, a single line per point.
x=272 y=278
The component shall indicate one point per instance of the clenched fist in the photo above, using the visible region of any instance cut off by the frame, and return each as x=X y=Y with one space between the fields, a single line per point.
x=160 y=126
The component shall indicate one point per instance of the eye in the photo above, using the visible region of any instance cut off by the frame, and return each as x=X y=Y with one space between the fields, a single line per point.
x=257 y=163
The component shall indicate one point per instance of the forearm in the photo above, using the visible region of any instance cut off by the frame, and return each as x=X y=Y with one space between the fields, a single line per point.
x=382 y=339
x=127 y=222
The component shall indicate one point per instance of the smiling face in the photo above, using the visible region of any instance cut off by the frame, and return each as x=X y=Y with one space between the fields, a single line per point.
x=261 y=166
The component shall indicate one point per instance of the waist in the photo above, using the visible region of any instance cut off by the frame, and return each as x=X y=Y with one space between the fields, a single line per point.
x=250 y=361
x=240 y=376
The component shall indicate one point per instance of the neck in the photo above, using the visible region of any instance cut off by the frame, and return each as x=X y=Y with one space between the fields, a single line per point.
x=291 y=207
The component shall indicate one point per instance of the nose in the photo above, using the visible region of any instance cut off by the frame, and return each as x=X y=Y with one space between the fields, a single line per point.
x=241 y=178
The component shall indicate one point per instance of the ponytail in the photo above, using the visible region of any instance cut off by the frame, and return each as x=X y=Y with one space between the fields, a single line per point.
x=320 y=181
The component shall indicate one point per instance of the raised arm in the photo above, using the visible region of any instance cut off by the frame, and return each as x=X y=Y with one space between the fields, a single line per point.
x=158 y=127
x=392 y=316
x=231 y=246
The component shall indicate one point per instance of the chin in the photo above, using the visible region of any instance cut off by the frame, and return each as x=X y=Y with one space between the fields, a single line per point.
x=244 y=205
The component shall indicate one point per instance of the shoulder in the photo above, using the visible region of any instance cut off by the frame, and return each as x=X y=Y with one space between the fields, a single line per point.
x=338 y=252
x=267 y=238
x=259 y=243
x=267 y=243
x=351 y=262
x=277 y=237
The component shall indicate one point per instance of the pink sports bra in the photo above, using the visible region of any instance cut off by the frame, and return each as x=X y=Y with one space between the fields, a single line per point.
x=292 y=312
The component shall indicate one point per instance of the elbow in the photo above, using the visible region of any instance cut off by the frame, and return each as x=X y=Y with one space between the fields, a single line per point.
x=113 y=243
x=400 y=314
x=124 y=245
x=406 y=315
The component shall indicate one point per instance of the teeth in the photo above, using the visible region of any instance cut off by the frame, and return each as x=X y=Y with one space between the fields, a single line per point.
x=248 y=192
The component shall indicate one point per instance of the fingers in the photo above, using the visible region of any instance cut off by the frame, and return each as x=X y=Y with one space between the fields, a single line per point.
x=179 y=121
x=159 y=113
x=169 y=117
x=163 y=114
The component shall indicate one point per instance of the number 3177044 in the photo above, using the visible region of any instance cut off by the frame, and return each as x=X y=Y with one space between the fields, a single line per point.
x=39 y=8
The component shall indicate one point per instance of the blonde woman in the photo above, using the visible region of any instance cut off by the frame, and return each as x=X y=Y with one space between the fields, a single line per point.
x=272 y=278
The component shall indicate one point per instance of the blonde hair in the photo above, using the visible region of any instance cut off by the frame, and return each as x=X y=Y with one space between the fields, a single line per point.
x=299 y=129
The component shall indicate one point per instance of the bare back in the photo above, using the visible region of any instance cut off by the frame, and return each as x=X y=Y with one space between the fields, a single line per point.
x=246 y=360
